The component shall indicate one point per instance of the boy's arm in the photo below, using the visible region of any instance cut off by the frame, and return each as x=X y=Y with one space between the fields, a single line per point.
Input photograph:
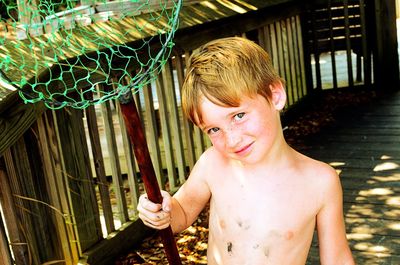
x=333 y=246
x=191 y=198
x=182 y=209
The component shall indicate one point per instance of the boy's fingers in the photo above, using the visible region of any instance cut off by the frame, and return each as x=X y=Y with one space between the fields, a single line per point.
x=154 y=215
x=166 y=204
x=145 y=203
x=158 y=227
x=158 y=220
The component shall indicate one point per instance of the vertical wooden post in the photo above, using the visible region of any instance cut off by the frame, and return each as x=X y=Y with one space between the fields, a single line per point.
x=187 y=127
x=79 y=176
x=332 y=45
x=4 y=247
x=100 y=168
x=166 y=134
x=386 y=60
x=18 y=240
x=172 y=108
x=348 y=44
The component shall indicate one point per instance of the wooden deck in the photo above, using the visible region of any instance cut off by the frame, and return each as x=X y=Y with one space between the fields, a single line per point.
x=364 y=147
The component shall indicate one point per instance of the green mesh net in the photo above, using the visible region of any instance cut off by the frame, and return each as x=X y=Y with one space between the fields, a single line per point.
x=65 y=52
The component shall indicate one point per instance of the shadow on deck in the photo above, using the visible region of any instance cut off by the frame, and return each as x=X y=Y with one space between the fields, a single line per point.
x=364 y=147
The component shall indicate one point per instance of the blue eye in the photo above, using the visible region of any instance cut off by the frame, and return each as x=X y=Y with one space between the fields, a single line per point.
x=239 y=116
x=213 y=130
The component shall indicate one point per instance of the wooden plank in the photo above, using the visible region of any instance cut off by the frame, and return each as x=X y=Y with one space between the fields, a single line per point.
x=261 y=37
x=372 y=226
x=172 y=106
x=292 y=60
x=128 y=6
x=364 y=45
x=33 y=193
x=274 y=47
x=386 y=76
x=152 y=133
x=296 y=59
x=314 y=51
x=370 y=185
x=100 y=171
x=18 y=242
x=280 y=49
x=332 y=46
x=383 y=148
x=166 y=135
x=267 y=39
x=5 y=253
x=197 y=133
x=15 y=119
x=348 y=44
x=376 y=197
x=233 y=23
x=187 y=126
x=370 y=131
x=53 y=192
x=85 y=210
x=199 y=142
x=106 y=251
x=118 y=184
x=361 y=257
x=25 y=10
x=61 y=179
x=360 y=138
x=301 y=54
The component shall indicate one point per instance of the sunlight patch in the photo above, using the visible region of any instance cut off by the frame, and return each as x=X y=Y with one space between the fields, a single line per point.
x=386 y=166
x=379 y=249
x=337 y=164
x=393 y=201
x=394 y=226
x=393 y=177
x=358 y=236
x=376 y=191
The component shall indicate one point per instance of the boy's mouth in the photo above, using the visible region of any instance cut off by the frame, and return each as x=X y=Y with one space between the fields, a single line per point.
x=244 y=150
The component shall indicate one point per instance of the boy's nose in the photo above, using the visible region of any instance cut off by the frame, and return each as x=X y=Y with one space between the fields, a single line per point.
x=233 y=138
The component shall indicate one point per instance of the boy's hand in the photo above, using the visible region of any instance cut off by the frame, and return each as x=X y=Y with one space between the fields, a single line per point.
x=154 y=215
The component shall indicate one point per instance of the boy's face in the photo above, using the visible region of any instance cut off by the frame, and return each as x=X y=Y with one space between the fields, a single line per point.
x=246 y=133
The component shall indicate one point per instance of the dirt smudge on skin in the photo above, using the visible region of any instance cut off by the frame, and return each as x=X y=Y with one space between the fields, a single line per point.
x=222 y=224
x=289 y=235
x=229 y=247
x=266 y=251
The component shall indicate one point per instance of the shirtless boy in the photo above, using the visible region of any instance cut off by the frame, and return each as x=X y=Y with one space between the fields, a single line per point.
x=265 y=198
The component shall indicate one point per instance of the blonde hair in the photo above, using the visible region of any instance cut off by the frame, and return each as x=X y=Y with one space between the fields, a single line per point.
x=225 y=70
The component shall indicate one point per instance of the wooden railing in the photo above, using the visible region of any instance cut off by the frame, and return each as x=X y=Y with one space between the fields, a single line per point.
x=68 y=178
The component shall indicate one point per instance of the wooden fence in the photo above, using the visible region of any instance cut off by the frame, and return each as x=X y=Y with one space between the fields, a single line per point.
x=69 y=182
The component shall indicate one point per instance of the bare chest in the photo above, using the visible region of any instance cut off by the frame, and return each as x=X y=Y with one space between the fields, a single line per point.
x=265 y=222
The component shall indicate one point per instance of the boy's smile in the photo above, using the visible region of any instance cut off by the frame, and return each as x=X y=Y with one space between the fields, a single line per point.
x=243 y=133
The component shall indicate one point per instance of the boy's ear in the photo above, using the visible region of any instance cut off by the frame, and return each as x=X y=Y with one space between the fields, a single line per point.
x=278 y=95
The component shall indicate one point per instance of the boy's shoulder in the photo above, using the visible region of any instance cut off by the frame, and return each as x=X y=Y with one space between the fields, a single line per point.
x=315 y=171
x=211 y=159
x=210 y=165
x=320 y=175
